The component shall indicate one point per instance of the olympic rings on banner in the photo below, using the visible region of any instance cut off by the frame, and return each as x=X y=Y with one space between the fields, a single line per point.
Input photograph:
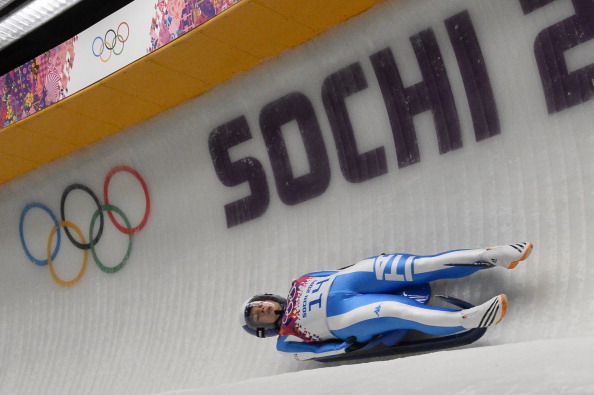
x=94 y=239
x=110 y=42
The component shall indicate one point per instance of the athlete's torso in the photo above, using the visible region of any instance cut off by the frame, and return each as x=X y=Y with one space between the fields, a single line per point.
x=305 y=311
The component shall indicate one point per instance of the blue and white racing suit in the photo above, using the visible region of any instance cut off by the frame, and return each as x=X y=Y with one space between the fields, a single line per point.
x=325 y=308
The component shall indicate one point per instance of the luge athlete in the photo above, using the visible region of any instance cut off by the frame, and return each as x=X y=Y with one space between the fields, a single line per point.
x=333 y=312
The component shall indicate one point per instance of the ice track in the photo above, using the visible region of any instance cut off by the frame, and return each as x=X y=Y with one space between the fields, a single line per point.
x=168 y=320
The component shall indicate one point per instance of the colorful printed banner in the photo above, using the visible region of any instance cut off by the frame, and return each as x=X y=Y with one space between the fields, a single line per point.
x=99 y=51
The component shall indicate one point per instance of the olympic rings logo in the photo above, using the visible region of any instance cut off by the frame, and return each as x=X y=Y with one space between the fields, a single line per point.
x=112 y=41
x=82 y=243
x=290 y=304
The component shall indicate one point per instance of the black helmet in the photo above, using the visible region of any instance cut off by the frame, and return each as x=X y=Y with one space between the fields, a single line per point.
x=258 y=329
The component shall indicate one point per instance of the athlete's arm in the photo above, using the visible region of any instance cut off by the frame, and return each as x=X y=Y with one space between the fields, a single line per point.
x=302 y=350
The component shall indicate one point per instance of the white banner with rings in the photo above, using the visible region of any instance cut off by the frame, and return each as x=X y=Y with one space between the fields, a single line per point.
x=108 y=46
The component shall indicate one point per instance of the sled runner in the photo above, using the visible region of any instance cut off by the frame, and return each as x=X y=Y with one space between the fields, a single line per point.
x=402 y=342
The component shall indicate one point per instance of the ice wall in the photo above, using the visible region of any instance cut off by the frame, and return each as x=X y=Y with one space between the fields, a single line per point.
x=417 y=127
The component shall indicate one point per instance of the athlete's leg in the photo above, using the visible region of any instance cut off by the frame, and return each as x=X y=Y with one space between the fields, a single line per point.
x=390 y=272
x=507 y=256
x=450 y=264
x=365 y=316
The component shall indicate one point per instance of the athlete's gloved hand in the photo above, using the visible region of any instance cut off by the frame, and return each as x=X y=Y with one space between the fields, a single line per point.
x=354 y=345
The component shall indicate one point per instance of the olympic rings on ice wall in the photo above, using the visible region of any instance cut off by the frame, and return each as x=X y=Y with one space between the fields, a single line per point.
x=81 y=243
x=112 y=42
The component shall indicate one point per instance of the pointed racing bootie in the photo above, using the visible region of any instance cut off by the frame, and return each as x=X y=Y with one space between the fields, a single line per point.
x=489 y=313
x=507 y=256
